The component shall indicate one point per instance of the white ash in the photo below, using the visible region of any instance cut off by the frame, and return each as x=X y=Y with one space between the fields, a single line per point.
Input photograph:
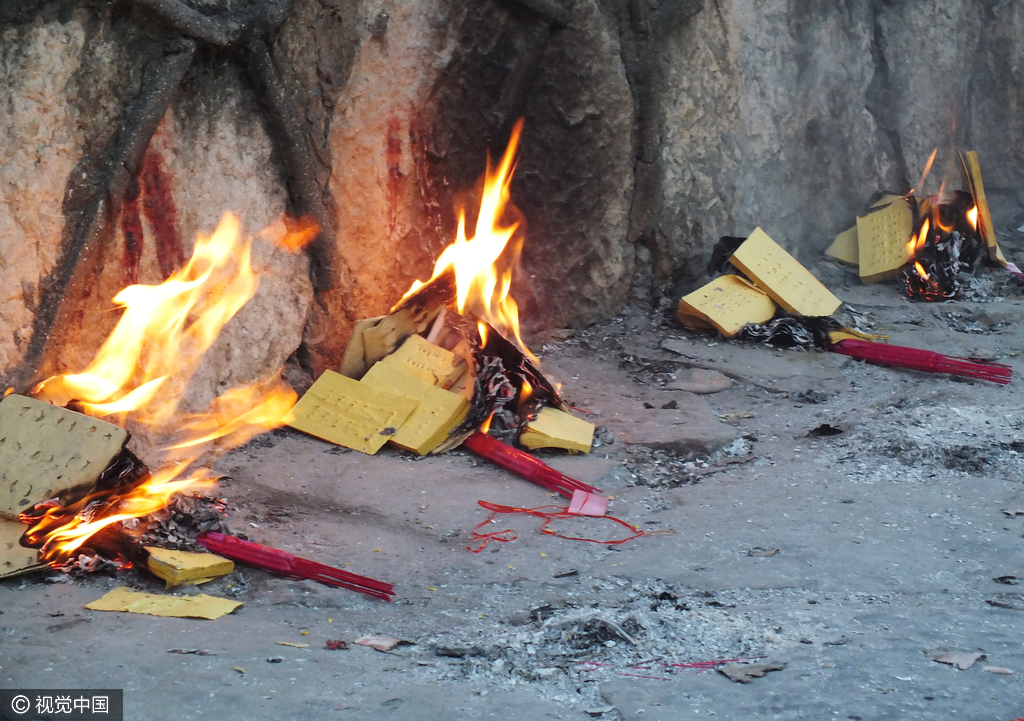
x=920 y=441
x=565 y=648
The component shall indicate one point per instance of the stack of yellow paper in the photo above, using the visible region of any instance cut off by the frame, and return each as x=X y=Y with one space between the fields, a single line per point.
x=422 y=359
x=45 y=450
x=349 y=413
x=779 y=275
x=556 y=429
x=401 y=398
x=375 y=338
x=728 y=303
x=882 y=237
x=437 y=413
x=178 y=567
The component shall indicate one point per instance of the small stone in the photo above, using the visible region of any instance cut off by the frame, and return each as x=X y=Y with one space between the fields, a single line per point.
x=698 y=380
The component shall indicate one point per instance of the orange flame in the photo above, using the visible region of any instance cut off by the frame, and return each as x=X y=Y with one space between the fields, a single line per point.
x=526 y=393
x=481 y=286
x=147 y=498
x=486 y=425
x=142 y=370
x=927 y=170
x=972 y=217
x=915 y=244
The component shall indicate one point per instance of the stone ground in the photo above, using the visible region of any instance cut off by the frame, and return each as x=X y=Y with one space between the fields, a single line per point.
x=845 y=557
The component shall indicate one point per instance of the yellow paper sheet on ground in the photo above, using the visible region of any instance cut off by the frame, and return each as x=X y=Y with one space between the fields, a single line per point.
x=201 y=606
x=349 y=413
x=988 y=232
x=178 y=567
x=882 y=237
x=421 y=359
x=15 y=559
x=728 y=303
x=779 y=275
x=557 y=429
x=438 y=412
x=47 y=449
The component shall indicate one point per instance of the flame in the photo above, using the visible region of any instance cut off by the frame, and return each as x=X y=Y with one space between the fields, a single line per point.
x=70 y=533
x=141 y=371
x=291 y=234
x=486 y=425
x=914 y=245
x=927 y=169
x=482 y=285
x=972 y=217
x=526 y=393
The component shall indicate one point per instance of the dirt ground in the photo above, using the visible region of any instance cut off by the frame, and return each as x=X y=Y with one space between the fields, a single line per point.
x=845 y=557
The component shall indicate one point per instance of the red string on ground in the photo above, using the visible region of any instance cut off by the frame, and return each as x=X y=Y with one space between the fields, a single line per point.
x=549 y=514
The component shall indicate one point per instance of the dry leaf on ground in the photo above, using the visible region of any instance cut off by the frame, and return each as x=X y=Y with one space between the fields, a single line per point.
x=961 y=660
x=381 y=643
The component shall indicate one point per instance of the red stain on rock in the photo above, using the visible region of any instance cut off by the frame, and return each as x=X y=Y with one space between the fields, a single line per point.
x=393 y=157
x=158 y=205
x=131 y=227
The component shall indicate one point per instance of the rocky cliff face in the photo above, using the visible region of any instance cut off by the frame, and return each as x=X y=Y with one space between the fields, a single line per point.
x=654 y=123
x=790 y=116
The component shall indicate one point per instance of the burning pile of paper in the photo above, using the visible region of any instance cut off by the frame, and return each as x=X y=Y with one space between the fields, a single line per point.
x=448 y=363
x=932 y=244
x=749 y=307
x=51 y=454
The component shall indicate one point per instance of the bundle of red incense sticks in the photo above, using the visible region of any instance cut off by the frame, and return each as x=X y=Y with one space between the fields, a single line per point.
x=922 y=360
x=524 y=465
x=292 y=566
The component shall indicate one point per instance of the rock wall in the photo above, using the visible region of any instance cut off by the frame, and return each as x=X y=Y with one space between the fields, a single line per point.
x=658 y=122
x=789 y=115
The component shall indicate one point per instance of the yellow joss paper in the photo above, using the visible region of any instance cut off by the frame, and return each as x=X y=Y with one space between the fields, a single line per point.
x=985 y=228
x=15 y=559
x=349 y=413
x=553 y=428
x=422 y=359
x=438 y=412
x=779 y=275
x=178 y=567
x=882 y=237
x=47 y=449
x=728 y=303
x=845 y=248
x=201 y=606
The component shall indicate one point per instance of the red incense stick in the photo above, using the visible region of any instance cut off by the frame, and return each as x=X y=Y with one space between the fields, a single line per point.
x=922 y=360
x=291 y=566
x=524 y=465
